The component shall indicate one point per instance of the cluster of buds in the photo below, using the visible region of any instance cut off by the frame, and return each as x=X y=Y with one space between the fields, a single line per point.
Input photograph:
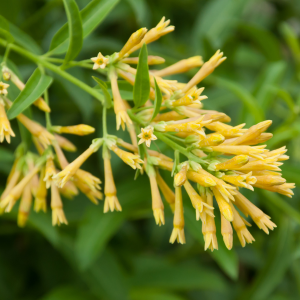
x=220 y=159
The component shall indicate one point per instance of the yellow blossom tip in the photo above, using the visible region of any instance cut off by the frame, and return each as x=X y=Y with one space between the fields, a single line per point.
x=159 y=216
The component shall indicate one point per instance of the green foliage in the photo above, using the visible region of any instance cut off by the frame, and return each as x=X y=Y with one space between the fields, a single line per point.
x=157 y=101
x=141 y=88
x=34 y=88
x=123 y=255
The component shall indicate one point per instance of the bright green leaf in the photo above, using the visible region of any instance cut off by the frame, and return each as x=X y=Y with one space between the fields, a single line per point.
x=75 y=29
x=92 y=15
x=141 y=88
x=158 y=100
x=34 y=88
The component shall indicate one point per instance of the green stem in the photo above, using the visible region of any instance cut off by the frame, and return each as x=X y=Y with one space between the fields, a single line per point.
x=7 y=50
x=175 y=146
x=175 y=138
x=142 y=108
x=135 y=118
x=104 y=122
x=55 y=69
x=48 y=120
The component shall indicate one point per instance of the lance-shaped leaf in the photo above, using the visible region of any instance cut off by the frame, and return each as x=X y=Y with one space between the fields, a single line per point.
x=75 y=29
x=34 y=88
x=103 y=86
x=92 y=15
x=4 y=30
x=141 y=89
x=158 y=100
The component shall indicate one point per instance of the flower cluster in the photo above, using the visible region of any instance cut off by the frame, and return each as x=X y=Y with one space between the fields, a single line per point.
x=219 y=159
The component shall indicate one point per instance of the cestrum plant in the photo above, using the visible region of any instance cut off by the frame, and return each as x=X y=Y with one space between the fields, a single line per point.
x=212 y=159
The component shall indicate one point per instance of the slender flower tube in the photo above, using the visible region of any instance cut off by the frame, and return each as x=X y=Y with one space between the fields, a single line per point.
x=122 y=117
x=134 y=40
x=157 y=204
x=205 y=70
x=178 y=222
x=24 y=207
x=50 y=171
x=65 y=143
x=58 y=215
x=227 y=232
x=166 y=191
x=181 y=176
x=80 y=129
x=40 y=202
x=111 y=201
x=5 y=129
x=152 y=60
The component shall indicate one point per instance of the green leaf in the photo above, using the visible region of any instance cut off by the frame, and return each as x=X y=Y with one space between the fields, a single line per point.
x=278 y=259
x=35 y=87
x=6 y=155
x=103 y=86
x=141 y=11
x=75 y=29
x=92 y=15
x=245 y=96
x=141 y=88
x=158 y=100
x=95 y=231
x=21 y=37
x=264 y=39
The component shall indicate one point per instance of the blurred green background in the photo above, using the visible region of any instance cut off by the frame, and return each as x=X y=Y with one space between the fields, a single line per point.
x=121 y=256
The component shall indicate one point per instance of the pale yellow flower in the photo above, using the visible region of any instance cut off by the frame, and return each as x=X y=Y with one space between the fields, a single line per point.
x=3 y=88
x=40 y=202
x=178 y=222
x=80 y=129
x=227 y=232
x=157 y=205
x=5 y=129
x=58 y=215
x=65 y=143
x=24 y=207
x=146 y=136
x=130 y=159
x=166 y=191
x=50 y=171
x=181 y=176
x=100 y=61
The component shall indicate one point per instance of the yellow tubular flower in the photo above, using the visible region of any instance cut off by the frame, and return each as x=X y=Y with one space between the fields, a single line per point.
x=197 y=201
x=90 y=180
x=11 y=182
x=180 y=177
x=58 y=215
x=44 y=136
x=254 y=151
x=224 y=206
x=111 y=201
x=270 y=164
x=60 y=156
x=40 y=202
x=252 y=133
x=15 y=193
x=69 y=190
x=80 y=129
x=152 y=60
x=239 y=226
x=62 y=177
x=181 y=66
x=130 y=159
x=209 y=228
x=166 y=191
x=99 y=62
x=3 y=88
x=227 y=232
x=5 y=129
x=134 y=40
x=213 y=139
x=153 y=34
x=245 y=181
x=24 y=207
x=93 y=195
x=260 y=218
x=284 y=189
x=65 y=143
x=203 y=180
x=269 y=180
x=122 y=117
x=168 y=116
x=40 y=103
x=233 y=163
x=192 y=97
x=50 y=171
x=157 y=205
x=226 y=130
x=178 y=222
x=205 y=70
